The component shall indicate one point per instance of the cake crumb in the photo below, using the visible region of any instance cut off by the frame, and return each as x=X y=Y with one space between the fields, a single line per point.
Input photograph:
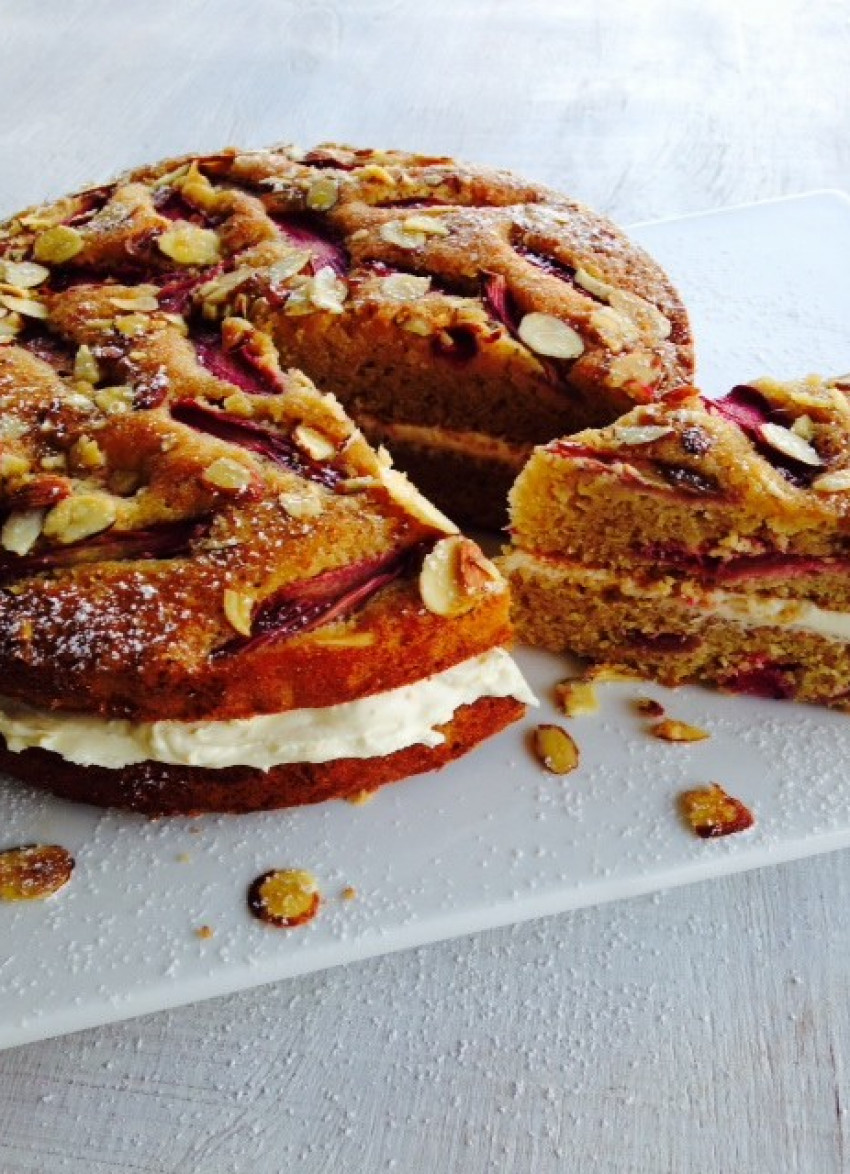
x=348 y=893
x=649 y=707
x=670 y=730
x=575 y=697
x=204 y=932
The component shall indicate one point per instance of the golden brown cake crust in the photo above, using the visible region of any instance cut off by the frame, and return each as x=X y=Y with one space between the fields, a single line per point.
x=159 y=789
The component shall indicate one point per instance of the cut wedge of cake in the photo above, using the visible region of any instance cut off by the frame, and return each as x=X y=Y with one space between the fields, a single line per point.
x=706 y=541
x=461 y=315
x=214 y=594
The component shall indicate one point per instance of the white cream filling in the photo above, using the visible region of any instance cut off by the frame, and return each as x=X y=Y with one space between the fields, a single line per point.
x=366 y=728
x=762 y=611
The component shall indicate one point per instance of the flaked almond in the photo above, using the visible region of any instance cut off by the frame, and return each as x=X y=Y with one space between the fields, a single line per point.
x=239 y=607
x=23 y=274
x=357 y=484
x=57 y=245
x=576 y=697
x=837 y=482
x=115 y=401
x=615 y=330
x=556 y=749
x=670 y=730
x=547 y=335
x=301 y=505
x=712 y=812
x=429 y=225
x=86 y=366
x=189 y=244
x=804 y=426
x=34 y=871
x=79 y=516
x=141 y=304
x=132 y=325
x=344 y=639
x=405 y=287
x=454 y=575
x=327 y=291
x=322 y=193
x=289 y=265
x=314 y=443
x=393 y=232
x=21 y=531
x=594 y=285
x=401 y=490
x=644 y=315
x=226 y=473
x=11 y=326
x=788 y=443
x=284 y=897
x=649 y=707
x=640 y=434
x=28 y=307
x=638 y=367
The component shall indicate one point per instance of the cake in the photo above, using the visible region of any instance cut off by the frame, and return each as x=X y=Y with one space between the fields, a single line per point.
x=461 y=315
x=697 y=541
x=215 y=595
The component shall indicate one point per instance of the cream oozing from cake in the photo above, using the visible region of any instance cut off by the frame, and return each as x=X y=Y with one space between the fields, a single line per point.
x=368 y=727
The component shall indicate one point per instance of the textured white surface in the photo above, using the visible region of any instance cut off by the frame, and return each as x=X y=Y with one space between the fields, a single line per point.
x=492 y=839
x=702 y=1031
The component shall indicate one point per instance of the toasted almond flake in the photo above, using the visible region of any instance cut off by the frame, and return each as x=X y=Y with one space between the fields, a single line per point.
x=670 y=730
x=293 y=263
x=358 y=484
x=576 y=697
x=556 y=749
x=21 y=531
x=348 y=893
x=804 y=426
x=13 y=464
x=204 y=932
x=301 y=505
x=327 y=291
x=58 y=244
x=188 y=244
x=226 y=473
x=323 y=193
x=34 y=871
x=23 y=274
x=649 y=707
x=593 y=285
x=405 y=287
x=54 y=461
x=284 y=897
x=394 y=233
x=429 y=225
x=837 y=482
x=711 y=812
x=29 y=307
x=86 y=365
x=216 y=291
x=79 y=516
x=789 y=444
x=615 y=330
x=546 y=335
x=132 y=325
x=314 y=443
x=640 y=434
x=115 y=401
x=644 y=315
x=401 y=490
x=86 y=452
x=636 y=367
x=10 y=327
x=239 y=607
x=141 y=304
x=454 y=576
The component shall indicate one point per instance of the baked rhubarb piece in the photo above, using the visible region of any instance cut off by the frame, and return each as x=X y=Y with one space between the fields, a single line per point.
x=461 y=315
x=214 y=594
x=702 y=541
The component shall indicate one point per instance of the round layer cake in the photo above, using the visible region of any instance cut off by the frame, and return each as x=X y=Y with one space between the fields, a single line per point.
x=461 y=315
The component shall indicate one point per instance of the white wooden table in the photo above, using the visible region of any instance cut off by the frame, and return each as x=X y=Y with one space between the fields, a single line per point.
x=702 y=1031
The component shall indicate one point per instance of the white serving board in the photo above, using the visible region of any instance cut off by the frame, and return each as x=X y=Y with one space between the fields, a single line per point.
x=492 y=839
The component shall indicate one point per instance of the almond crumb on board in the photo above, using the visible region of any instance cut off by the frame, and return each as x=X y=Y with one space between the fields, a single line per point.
x=34 y=871
x=204 y=932
x=359 y=798
x=670 y=730
x=284 y=897
x=575 y=697
x=649 y=707
x=348 y=893
x=556 y=749
x=711 y=812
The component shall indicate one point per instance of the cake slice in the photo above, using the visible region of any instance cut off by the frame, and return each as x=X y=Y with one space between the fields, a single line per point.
x=705 y=541
x=214 y=594
x=461 y=315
